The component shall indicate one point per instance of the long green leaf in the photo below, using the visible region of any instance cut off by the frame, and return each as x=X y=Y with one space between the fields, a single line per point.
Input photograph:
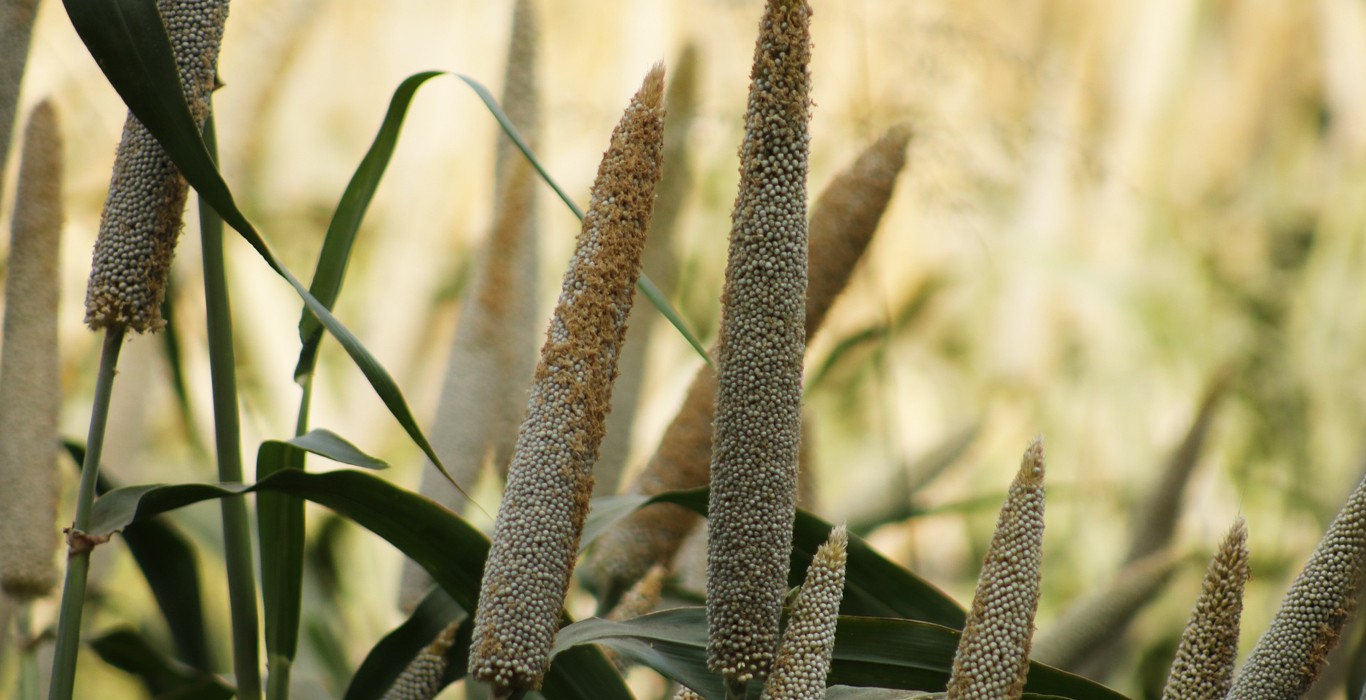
x=644 y=284
x=346 y=220
x=280 y=519
x=869 y=652
x=326 y=443
x=127 y=41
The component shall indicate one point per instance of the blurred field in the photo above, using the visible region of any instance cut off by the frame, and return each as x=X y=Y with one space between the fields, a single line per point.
x=1107 y=205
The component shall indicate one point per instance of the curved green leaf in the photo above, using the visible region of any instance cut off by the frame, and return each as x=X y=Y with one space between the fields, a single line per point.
x=644 y=284
x=346 y=220
x=128 y=650
x=128 y=42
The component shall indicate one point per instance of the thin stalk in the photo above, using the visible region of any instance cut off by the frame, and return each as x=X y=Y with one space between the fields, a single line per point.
x=78 y=544
x=28 y=660
x=227 y=439
x=736 y=690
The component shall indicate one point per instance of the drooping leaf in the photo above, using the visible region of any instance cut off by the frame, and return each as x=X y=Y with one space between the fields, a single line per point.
x=326 y=443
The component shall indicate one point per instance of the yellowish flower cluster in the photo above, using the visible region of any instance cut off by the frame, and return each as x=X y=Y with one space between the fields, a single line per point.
x=1208 y=650
x=803 y=659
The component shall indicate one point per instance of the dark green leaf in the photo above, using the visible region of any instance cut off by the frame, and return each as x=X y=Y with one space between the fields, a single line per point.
x=346 y=220
x=164 y=678
x=280 y=519
x=127 y=41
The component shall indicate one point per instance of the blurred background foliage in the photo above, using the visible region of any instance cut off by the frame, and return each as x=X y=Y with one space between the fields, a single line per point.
x=1108 y=208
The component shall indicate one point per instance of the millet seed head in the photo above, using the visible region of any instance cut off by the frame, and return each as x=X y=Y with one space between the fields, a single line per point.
x=803 y=659
x=537 y=532
x=421 y=680
x=761 y=344
x=30 y=375
x=143 y=212
x=1208 y=650
x=1294 y=650
x=993 y=654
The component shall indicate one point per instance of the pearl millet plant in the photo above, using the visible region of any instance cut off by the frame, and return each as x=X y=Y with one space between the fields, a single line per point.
x=493 y=355
x=30 y=383
x=1293 y=651
x=842 y=222
x=16 y=32
x=143 y=211
x=537 y=532
x=1208 y=650
x=421 y=680
x=803 y=659
x=993 y=654
x=759 y=362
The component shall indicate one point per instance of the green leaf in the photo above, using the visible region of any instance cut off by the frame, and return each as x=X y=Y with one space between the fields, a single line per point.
x=869 y=652
x=127 y=41
x=346 y=220
x=164 y=678
x=280 y=519
x=170 y=565
x=326 y=443
x=644 y=284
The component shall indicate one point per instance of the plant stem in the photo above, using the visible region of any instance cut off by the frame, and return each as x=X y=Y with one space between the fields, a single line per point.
x=78 y=549
x=28 y=660
x=227 y=439
x=735 y=690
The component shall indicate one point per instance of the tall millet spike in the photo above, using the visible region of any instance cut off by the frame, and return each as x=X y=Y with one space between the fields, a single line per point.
x=759 y=360
x=30 y=382
x=993 y=653
x=421 y=680
x=1293 y=651
x=143 y=212
x=842 y=223
x=536 y=536
x=803 y=659
x=1208 y=650
x=493 y=355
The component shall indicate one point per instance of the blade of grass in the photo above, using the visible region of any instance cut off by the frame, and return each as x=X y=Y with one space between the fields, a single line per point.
x=644 y=284
x=128 y=650
x=280 y=518
x=127 y=41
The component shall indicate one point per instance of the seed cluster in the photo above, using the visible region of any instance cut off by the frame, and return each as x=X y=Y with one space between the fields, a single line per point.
x=143 y=211
x=993 y=653
x=1293 y=651
x=537 y=532
x=30 y=381
x=803 y=659
x=1208 y=650
x=762 y=340
x=421 y=680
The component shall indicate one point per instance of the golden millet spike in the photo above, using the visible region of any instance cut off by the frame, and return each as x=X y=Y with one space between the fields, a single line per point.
x=803 y=659
x=993 y=654
x=143 y=212
x=846 y=215
x=30 y=381
x=759 y=359
x=1293 y=651
x=1208 y=650
x=537 y=532
x=16 y=33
